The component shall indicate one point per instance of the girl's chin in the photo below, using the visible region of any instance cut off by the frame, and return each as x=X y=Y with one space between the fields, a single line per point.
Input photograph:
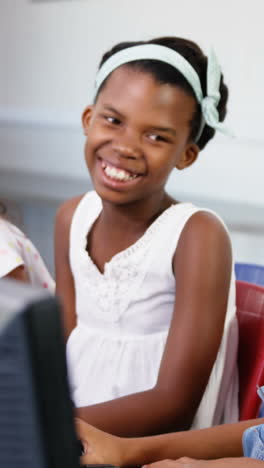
x=112 y=193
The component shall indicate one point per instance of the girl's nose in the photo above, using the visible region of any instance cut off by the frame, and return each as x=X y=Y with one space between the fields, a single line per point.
x=127 y=148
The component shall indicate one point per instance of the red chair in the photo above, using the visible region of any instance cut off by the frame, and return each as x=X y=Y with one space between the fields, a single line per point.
x=250 y=313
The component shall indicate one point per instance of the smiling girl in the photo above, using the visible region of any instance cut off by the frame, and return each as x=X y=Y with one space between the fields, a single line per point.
x=146 y=280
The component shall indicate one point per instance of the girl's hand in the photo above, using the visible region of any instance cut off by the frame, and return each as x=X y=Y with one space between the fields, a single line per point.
x=99 y=447
x=184 y=462
x=218 y=463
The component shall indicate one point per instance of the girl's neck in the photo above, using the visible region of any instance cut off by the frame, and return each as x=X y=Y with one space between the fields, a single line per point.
x=120 y=226
x=136 y=215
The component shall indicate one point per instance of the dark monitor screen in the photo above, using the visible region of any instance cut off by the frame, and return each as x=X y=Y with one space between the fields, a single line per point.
x=36 y=417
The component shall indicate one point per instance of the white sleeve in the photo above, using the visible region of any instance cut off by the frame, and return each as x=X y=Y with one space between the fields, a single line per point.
x=10 y=257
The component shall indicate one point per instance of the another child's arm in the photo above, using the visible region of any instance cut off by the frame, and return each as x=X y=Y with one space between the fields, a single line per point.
x=11 y=263
x=211 y=443
x=202 y=266
x=19 y=273
x=64 y=280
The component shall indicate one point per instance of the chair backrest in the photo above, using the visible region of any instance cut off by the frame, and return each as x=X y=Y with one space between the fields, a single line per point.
x=250 y=272
x=250 y=313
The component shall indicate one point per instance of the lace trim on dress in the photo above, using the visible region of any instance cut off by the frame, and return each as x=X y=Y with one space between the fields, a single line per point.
x=123 y=274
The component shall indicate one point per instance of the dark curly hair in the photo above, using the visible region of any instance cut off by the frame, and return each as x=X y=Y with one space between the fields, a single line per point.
x=167 y=74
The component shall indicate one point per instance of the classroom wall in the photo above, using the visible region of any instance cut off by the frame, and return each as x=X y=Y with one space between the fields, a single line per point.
x=50 y=51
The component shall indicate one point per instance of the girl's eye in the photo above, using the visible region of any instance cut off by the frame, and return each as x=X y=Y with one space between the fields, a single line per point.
x=112 y=120
x=156 y=137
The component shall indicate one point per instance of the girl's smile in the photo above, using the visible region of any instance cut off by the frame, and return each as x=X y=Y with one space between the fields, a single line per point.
x=117 y=177
x=118 y=173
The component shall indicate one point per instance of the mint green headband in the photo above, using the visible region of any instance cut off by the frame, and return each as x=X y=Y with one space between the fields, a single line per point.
x=208 y=103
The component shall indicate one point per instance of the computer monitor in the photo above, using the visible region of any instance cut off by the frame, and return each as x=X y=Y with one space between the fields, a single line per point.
x=36 y=417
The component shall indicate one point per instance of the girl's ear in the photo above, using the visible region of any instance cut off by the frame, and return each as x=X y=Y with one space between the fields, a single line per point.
x=86 y=118
x=188 y=156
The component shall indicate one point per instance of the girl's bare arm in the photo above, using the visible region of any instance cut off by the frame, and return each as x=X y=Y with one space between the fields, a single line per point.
x=64 y=279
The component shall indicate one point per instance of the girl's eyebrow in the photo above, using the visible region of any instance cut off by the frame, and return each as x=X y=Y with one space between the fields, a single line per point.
x=111 y=109
x=165 y=129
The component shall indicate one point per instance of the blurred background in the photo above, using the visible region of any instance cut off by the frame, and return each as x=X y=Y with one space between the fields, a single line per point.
x=50 y=50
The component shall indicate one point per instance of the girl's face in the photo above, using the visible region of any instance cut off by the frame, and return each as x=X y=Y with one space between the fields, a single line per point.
x=137 y=132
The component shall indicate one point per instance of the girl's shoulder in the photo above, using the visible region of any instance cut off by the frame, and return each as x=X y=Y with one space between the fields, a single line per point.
x=203 y=231
x=68 y=209
x=63 y=221
x=71 y=210
x=205 y=216
x=202 y=223
x=204 y=220
x=185 y=217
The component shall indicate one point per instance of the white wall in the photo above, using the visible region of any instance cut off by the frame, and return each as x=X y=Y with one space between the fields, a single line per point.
x=49 y=54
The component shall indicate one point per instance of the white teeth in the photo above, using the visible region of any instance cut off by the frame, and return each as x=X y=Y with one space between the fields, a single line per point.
x=118 y=174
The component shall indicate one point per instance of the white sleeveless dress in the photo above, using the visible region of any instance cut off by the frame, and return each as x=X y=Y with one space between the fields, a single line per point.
x=124 y=314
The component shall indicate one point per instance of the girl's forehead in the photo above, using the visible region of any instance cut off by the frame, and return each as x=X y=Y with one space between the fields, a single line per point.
x=129 y=89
